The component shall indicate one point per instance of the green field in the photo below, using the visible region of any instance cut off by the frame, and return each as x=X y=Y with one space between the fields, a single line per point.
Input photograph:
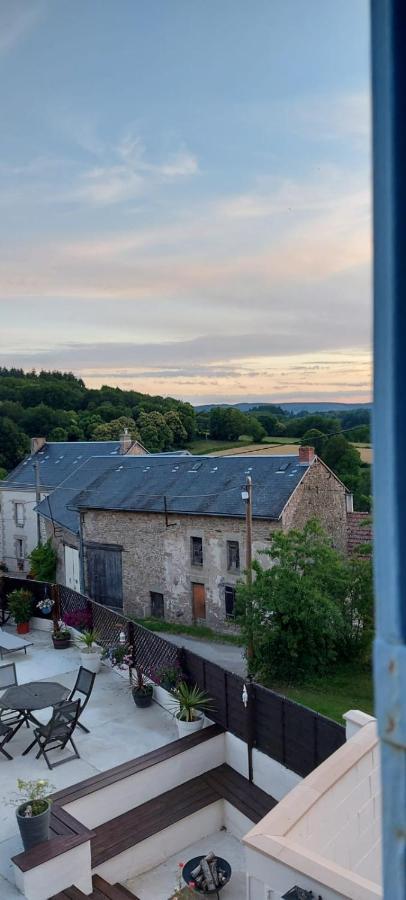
x=210 y=446
x=350 y=687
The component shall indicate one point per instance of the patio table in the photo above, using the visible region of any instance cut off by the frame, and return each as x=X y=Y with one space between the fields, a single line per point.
x=32 y=696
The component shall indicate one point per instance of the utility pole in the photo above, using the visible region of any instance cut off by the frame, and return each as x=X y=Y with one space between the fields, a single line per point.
x=38 y=500
x=247 y=496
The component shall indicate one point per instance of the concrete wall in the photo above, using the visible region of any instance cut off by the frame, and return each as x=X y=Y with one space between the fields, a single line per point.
x=118 y=798
x=10 y=531
x=319 y=496
x=268 y=774
x=52 y=876
x=325 y=834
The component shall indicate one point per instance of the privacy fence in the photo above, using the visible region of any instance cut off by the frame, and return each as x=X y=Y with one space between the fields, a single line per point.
x=295 y=736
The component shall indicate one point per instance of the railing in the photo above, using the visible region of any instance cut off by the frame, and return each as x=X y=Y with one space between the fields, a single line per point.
x=297 y=737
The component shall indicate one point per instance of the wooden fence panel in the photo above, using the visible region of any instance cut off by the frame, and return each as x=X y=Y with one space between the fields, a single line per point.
x=269 y=723
x=300 y=738
x=329 y=737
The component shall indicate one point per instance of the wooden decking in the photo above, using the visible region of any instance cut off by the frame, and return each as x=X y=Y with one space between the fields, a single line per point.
x=140 y=823
x=102 y=890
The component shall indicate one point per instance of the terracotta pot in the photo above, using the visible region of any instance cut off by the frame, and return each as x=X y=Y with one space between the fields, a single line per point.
x=23 y=627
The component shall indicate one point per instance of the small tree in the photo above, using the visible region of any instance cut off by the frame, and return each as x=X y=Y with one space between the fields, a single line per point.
x=43 y=561
x=298 y=610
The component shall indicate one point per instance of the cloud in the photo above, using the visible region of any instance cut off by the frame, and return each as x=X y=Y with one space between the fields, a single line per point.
x=129 y=173
x=17 y=20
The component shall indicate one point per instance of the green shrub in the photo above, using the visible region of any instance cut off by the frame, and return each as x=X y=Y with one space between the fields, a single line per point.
x=43 y=560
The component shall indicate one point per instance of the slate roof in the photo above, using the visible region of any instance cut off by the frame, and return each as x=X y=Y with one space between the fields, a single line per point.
x=57 y=460
x=197 y=485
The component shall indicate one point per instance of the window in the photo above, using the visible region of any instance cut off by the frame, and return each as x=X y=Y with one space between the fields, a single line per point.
x=196 y=551
x=233 y=555
x=157 y=605
x=19 y=548
x=19 y=514
x=229 y=596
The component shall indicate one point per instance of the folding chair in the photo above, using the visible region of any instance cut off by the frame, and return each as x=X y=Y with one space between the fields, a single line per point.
x=6 y=733
x=83 y=685
x=57 y=732
x=8 y=678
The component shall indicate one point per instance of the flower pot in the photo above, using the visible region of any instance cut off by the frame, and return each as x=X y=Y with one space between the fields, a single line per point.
x=34 y=829
x=23 y=627
x=143 y=698
x=91 y=660
x=60 y=643
x=185 y=728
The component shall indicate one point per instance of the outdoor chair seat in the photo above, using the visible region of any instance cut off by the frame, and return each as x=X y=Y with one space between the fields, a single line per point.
x=6 y=733
x=8 y=678
x=57 y=733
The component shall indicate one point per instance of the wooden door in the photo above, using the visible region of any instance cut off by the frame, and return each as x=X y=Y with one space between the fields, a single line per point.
x=198 y=600
x=104 y=575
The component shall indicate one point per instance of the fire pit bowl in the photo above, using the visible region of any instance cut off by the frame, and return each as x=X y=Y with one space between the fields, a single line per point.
x=191 y=865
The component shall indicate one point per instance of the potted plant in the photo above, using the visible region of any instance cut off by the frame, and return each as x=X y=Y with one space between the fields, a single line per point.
x=20 y=606
x=45 y=606
x=60 y=635
x=190 y=704
x=142 y=691
x=119 y=656
x=90 y=654
x=33 y=811
x=169 y=677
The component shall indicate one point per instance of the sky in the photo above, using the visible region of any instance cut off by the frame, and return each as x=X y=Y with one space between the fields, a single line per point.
x=185 y=195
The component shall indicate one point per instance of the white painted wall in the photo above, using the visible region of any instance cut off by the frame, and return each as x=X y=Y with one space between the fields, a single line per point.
x=9 y=531
x=118 y=798
x=270 y=884
x=72 y=867
x=72 y=568
x=156 y=849
x=269 y=775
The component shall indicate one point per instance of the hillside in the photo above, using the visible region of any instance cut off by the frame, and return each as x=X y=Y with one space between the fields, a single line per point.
x=293 y=407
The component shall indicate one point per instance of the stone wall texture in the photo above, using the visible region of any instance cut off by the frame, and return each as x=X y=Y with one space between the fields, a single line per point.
x=320 y=495
x=157 y=558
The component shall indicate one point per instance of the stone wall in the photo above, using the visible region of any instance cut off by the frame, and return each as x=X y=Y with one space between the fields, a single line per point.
x=320 y=495
x=158 y=558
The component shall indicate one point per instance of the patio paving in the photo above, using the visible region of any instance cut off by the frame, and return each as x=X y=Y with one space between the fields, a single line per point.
x=119 y=732
x=159 y=883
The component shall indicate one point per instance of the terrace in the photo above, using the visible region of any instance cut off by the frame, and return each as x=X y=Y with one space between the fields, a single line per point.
x=118 y=732
x=139 y=799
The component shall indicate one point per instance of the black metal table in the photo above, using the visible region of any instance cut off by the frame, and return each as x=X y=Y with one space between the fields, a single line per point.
x=27 y=698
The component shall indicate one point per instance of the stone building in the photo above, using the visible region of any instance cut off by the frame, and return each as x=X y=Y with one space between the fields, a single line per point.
x=46 y=467
x=167 y=537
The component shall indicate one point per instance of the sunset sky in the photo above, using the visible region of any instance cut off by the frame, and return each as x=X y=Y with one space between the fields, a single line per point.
x=184 y=195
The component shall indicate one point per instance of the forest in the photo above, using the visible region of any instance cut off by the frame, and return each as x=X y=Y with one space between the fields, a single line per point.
x=59 y=406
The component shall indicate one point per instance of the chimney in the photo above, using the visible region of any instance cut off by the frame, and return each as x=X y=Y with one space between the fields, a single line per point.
x=306 y=455
x=37 y=443
x=125 y=441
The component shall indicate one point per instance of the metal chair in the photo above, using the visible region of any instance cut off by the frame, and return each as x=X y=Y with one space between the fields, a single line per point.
x=8 y=678
x=57 y=733
x=6 y=733
x=84 y=686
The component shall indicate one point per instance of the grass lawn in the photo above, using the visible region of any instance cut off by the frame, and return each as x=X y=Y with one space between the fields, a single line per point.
x=350 y=687
x=203 y=632
x=210 y=446
x=280 y=440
